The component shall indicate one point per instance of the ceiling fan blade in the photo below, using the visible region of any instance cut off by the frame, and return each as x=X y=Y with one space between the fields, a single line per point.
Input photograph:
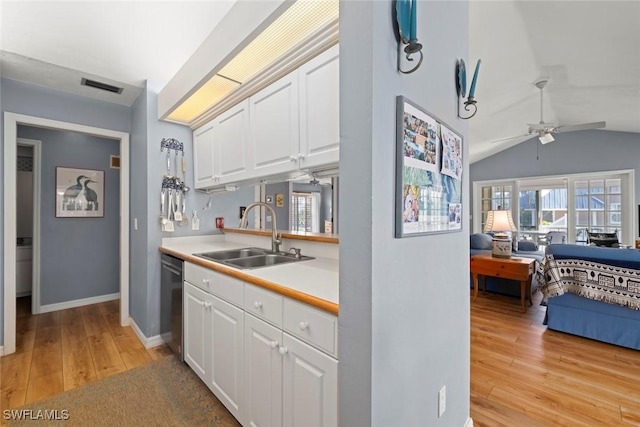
x=508 y=138
x=584 y=126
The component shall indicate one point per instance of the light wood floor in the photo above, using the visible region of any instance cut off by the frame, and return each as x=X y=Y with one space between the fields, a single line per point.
x=521 y=373
x=525 y=375
x=65 y=349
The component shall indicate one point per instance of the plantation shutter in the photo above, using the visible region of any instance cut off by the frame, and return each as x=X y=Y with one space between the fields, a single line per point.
x=301 y=211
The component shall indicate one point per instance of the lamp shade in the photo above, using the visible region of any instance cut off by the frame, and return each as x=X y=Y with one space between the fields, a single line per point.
x=499 y=221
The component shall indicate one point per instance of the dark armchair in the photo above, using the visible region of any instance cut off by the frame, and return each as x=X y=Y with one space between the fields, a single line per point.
x=603 y=239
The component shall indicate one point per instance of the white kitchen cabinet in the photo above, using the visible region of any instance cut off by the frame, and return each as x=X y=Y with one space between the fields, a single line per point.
x=272 y=362
x=226 y=354
x=287 y=382
x=309 y=385
x=274 y=122
x=293 y=124
x=203 y=161
x=213 y=345
x=319 y=81
x=263 y=374
x=195 y=321
x=221 y=148
x=232 y=155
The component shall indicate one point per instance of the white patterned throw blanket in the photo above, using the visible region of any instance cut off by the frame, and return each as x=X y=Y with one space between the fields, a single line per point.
x=591 y=279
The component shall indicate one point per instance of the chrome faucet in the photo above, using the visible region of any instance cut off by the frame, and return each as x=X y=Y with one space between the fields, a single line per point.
x=275 y=238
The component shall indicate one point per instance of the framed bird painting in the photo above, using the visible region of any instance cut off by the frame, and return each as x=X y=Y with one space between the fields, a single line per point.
x=79 y=193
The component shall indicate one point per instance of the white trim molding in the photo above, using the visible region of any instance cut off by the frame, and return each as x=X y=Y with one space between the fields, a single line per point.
x=35 y=228
x=1 y=351
x=153 y=341
x=78 y=302
x=469 y=422
x=11 y=122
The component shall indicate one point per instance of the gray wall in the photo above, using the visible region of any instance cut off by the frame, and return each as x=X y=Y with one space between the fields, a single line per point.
x=148 y=166
x=79 y=256
x=32 y=100
x=573 y=152
x=282 y=214
x=404 y=303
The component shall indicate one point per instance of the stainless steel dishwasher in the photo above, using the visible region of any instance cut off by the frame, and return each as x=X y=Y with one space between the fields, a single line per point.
x=171 y=303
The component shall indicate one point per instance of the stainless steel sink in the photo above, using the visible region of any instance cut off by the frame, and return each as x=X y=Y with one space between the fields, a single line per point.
x=248 y=258
x=232 y=253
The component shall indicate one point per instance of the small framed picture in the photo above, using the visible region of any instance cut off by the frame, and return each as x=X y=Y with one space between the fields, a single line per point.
x=79 y=193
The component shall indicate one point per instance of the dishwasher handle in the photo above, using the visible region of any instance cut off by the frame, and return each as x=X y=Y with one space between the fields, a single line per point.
x=171 y=268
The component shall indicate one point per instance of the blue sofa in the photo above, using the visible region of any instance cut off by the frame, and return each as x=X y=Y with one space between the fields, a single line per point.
x=585 y=287
x=482 y=243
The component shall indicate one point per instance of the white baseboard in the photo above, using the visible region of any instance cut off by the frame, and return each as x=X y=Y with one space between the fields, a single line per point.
x=78 y=303
x=469 y=422
x=1 y=350
x=147 y=342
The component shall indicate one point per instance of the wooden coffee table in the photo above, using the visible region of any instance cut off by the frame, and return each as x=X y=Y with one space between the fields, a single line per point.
x=516 y=268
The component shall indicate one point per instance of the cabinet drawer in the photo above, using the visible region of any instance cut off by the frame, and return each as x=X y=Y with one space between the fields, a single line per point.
x=218 y=284
x=264 y=304
x=311 y=325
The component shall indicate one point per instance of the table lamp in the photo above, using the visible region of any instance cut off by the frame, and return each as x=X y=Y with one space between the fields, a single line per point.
x=499 y=222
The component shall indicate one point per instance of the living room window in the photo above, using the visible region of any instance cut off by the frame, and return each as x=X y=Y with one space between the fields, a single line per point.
x=495 y=197
x=598 y=206
x=571 y=204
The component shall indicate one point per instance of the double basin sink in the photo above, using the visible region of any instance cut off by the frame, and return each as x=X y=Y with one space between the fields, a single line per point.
x=247 y=258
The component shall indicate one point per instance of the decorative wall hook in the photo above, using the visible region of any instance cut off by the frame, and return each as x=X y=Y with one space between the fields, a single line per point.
x=461 y=88
x=408 y=46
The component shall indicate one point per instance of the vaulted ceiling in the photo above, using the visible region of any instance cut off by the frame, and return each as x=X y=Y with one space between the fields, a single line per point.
x=589 y=49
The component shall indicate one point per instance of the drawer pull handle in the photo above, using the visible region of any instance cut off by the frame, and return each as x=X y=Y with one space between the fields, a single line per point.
x=283 y=350
x=274 y=344
x=205 y=282
x=257 y=304
x=303 y=325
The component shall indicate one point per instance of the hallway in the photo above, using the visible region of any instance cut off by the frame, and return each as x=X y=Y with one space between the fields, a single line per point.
x=61 y=350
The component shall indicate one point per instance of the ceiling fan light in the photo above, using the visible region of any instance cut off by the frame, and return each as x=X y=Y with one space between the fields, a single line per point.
x=546 y=138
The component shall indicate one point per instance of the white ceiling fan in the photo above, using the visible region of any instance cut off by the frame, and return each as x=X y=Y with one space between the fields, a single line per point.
x=544 y=130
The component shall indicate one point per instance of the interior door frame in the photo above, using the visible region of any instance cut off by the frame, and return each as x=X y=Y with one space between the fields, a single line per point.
x=36 y=145
x=11 y=122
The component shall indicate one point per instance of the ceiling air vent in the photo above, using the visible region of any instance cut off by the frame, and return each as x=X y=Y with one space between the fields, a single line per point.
x=101 y=86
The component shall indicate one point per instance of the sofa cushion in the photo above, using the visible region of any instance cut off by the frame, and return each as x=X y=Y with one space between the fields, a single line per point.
x=481 y=241
x=526 y=245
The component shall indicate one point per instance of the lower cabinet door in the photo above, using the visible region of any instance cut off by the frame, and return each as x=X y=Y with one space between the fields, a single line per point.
x=310 y=386
x=227 y=333
x=195 y=330
x=263 y=374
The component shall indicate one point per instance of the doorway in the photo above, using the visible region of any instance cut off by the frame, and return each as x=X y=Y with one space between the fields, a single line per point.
x=11 y=122
x=29 y=152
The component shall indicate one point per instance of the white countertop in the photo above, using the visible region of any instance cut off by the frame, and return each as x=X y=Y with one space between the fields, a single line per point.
x=317 y=277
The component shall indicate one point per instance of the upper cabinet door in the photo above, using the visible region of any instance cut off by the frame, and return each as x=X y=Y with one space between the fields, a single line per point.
x=320 y=109
x=274 y=127
x=232 y=143
x=203 y=156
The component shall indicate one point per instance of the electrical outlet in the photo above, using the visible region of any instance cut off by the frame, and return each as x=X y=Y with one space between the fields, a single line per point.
x=442 y=401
